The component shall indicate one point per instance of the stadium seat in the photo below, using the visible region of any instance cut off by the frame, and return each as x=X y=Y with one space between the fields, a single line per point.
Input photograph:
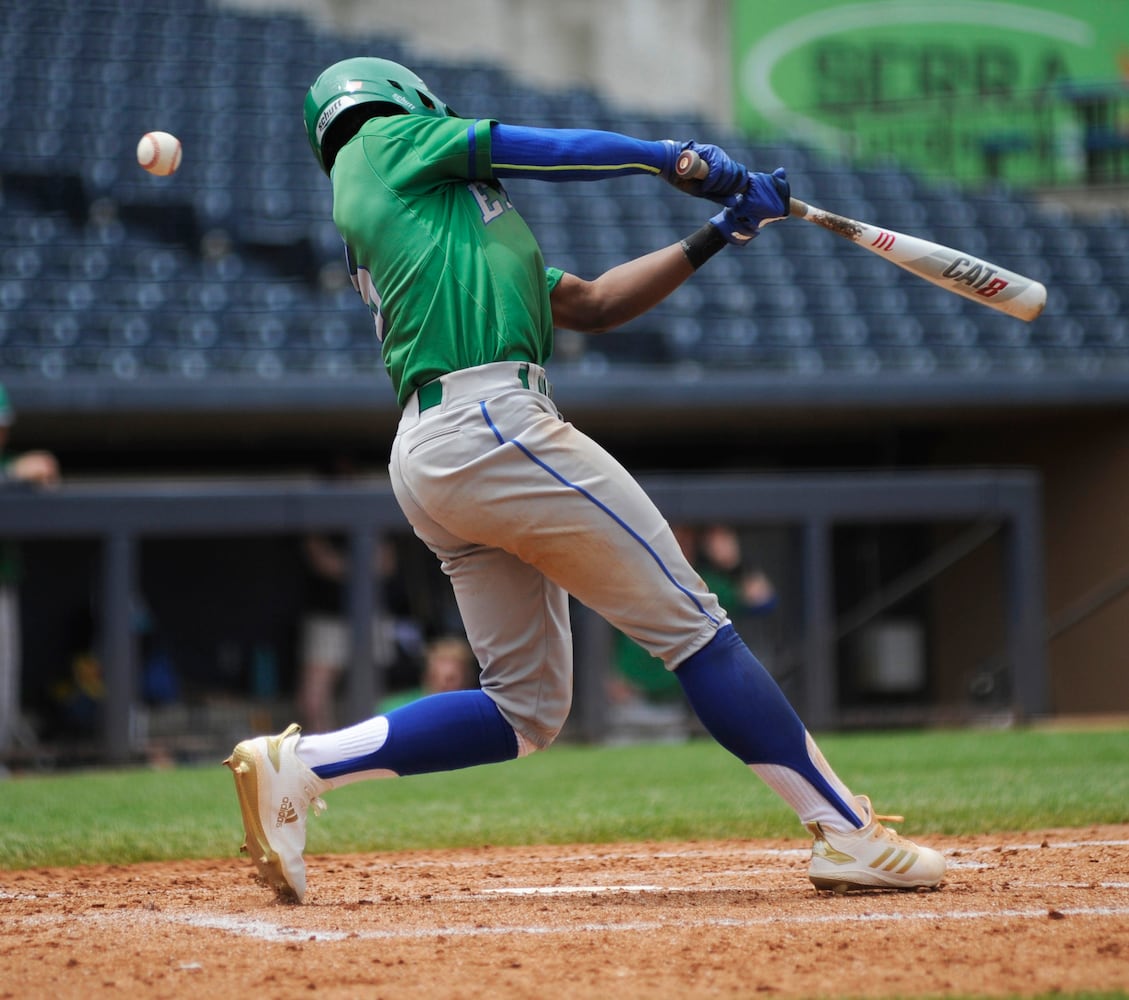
x=838 y=328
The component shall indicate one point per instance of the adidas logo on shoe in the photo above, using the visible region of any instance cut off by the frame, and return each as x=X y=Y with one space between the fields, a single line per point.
x=895 y=861
x=286 y=813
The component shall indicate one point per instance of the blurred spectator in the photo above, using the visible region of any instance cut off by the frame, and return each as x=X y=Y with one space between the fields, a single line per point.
x=644 y=694
x=741 y=590
x=37 y=470
x=449 y=665
x=397 y=640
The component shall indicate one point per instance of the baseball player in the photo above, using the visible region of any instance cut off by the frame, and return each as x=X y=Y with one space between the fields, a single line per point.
x=521 y=508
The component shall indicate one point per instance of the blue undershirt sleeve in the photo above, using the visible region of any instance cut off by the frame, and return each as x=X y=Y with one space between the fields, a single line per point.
x=552 y=154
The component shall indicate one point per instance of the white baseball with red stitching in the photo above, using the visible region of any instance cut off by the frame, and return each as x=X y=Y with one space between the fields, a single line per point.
x=159 y=153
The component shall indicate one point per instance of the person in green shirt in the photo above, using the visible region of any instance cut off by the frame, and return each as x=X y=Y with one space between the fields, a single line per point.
x=521 y=508
x=448 y=665
x=635 y=686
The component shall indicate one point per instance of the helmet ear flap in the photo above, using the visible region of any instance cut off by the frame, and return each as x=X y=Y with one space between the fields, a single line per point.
x=348 y=123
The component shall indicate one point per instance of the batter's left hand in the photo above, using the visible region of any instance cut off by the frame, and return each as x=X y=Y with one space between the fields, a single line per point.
x=726 y=177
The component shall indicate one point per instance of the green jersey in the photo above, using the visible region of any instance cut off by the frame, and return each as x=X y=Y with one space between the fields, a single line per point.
x=450 y=270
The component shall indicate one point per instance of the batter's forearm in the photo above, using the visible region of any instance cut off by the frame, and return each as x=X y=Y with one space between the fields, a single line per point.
x=621 y=293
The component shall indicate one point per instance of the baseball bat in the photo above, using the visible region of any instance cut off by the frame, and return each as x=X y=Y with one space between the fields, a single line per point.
x=953 y=270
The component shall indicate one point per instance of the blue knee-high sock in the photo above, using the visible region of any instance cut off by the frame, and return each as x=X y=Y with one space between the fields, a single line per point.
x=743 y=708
x=442 y=732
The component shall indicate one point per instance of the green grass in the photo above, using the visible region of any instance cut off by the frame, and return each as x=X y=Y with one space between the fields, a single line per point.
x=959 y=781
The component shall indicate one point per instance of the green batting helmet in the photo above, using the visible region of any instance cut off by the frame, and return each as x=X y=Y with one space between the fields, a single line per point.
x=353 y=82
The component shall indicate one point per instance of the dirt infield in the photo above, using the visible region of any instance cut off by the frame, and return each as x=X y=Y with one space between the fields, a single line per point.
x=1018 y=914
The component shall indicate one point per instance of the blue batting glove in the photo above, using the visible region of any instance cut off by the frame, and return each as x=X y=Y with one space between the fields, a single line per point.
x=726 y=176
x=764 y=200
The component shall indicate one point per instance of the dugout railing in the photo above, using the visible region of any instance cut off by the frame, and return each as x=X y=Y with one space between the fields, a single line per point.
x=120 y=516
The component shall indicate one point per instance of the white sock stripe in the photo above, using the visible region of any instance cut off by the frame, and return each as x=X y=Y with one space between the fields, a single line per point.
x=798 y=792
x=806 y=801
x=815 y=755
x=364 y=738
x=809 y=804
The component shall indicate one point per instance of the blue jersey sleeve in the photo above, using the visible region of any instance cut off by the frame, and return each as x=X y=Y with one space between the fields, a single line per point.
x=552 y=154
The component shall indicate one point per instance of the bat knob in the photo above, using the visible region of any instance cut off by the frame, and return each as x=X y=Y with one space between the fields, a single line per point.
x=689 y=164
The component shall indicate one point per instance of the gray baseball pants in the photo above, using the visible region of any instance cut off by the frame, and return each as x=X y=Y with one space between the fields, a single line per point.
x=522 y=509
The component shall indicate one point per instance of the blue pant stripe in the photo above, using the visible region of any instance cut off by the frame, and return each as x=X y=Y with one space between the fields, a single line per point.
x=598 y=503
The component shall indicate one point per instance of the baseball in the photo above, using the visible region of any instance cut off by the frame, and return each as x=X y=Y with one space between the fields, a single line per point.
x=159 y=153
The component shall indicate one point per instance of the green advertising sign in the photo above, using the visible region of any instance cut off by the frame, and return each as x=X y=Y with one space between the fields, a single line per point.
x=966 y=88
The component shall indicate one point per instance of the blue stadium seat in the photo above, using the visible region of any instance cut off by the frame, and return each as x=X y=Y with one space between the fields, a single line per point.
x=850 y=360
x=59 y=329
x=843 y=329
x=924 y=299
x=1113 y=268
x=732 y=298
x=1000 y=333
x=973 y=239
x=886 y=301
x=734 y=333
x=905 y=330
x=196 y=331
x=14 y=294
x=1108 y=332
x=1093 y=300
x=263 y=330
x=1075 y=269
x=782 y=300
x=129 y=330
x=832 y=189
x=862 y=269
x=830 y=299
x=1108 y=238
x=1066 y=333
x=1004 y=242
x=917 y=361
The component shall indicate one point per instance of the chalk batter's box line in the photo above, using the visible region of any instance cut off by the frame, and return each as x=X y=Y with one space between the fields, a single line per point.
x=271 y=932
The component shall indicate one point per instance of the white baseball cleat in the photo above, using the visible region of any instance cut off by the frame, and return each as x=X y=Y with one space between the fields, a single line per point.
x=871 y=858
x=276 y=790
